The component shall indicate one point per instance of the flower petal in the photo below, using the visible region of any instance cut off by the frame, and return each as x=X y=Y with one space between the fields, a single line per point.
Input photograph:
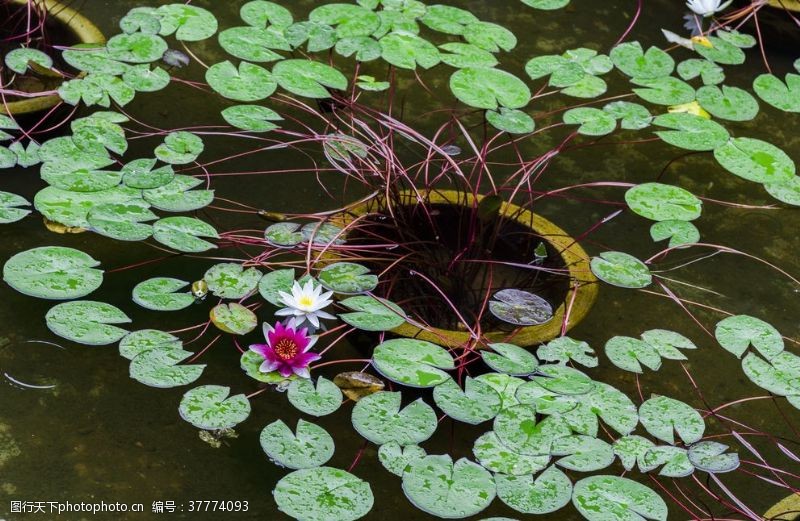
x=268 y=366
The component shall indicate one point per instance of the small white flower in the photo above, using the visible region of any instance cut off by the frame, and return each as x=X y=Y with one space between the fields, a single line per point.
x=305 y=303
x=707 y=7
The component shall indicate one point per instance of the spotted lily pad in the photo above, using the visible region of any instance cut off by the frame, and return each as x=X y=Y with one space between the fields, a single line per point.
x=254 y=44
x=350 y=20
x=231 y=280
x=562 y=379
x=189 y=22
x=248 y=83
x=407 y=51
x=411 y=362
x=691 y=132
x=11 y=207
x=711 y=456
x=308 y=78
x=347 y=278
x=786 y=191
x=632 y=116
x=254 y=118
x=731 y=103
x=397 y=459
x=319 y=36
x=179 y=148
x=159 y=368
x=53 y=272
x=178 y=196
x=19 y=59
x=87 y=322
x=631 y=59
x=326 y=233
x=564 y=349
x=520 y=308
x=512 y=121
x=674 y=461
x=721 y=51
x=233 y=318
x=582 y=453
x=493 y=455
x=122 y=221
x=372 y=313
x=380 y=419
x=283 y=235
x=667 y=343
x=548 y=492
x=631 y=450
x=679 y=233
x=738 y=332
x=143 y=340
x=310 y=446
x=139 y=173
x=317 y=400
x=323 y=494
x=663 y=416
x=661 y=202
x=486 y=88
x=781 y=375
x=183 y=234
x=518 y=429
x=620 y=269
x=439 y=487
x=72 y=208
x=547 y=5
x=510 y=359
x=209 y=407
x=477 y=403
x=136 y=47
x=613 y=498
x=592 y=121
x=755 y=160
x=784 y=96
x=273 y=283
x=664 y=91
x=630 y=354
x=159 y=294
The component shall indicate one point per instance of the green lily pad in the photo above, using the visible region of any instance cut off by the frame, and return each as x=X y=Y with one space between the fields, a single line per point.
x=548 y=492
x=372 y=313
x=411 y=362
x=53 y=272
x=272 y=283
x=622 y=270
x=250 y=362
x=369 y=83
x=675 y=462
x=564 y=349
x=660 y=202
x=505 y=385
x=448 y=19
x=26 y=157
x=784 y=96
x=721 y=52
x=209 y=407
x=397 y=459
x=10 y=210
x=690 y=131
x=547 y=5
x=663 y=416
x=283 y=235
x=323 y=494
x=179 y=148
x=755 y=160
x=363 y=48
x=738 y=332
x=81 y=180
x=631 y=59
x=439 y=487
x=518 y=429
x=781 y=375
x=254 y=44
x=158 y=368
x=260 y=13
x=143 y=340
x=731 y=103
x=461 y=55
x=632 y=116
x=347 y=278
x=233 y=318
x=512 y=121
x=122 y=221
x=319 y=36
x=520 y=308
x=7 y=157
x=93 y=58
x=668 y=343
x=743 y=40
x=231 y=280
x=477 y=403
x=664 y=91
x=592 y=121
x=189 y=23
x=630 y=354
x=631 y=450
x=87 y=322
x=159 y=294
x=72 y=208
x=613 y=498
x=379 y=418
x=320 y=400
x=785 y=191
x=350 y=20
x=308 y=78
x=711 y=456
x=182 y=234
x=489 y=36
x=510 y=359
x=139 y=173
x=254 y=118
x=136 y=47
x=679 y=233
x=248 y=83
x=324 y=233
x=68 y=155
x=582 y=453
x=144 y=79
x=496 y=457
x=486 y=88
x=18 y=59
x=709 y=72
x=311 y=445
x=561 y=379
x=140 y=19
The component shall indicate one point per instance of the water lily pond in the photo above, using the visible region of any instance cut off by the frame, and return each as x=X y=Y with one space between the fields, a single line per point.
x=394 y=259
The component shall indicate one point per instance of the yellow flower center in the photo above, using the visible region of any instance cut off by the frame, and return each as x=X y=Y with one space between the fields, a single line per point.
x=305 y=301
x=286 y=349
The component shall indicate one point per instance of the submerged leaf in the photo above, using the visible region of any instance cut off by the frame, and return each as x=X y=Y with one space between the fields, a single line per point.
x=520 y=308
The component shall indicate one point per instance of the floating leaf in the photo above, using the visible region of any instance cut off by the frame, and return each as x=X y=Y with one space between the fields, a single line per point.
x=320 y=400
x=233 y=318
x=143 y=79
x=786 y=191
x=325 y=234
x=122 y=221
x=189 y=23
x=612 y=498
x=564 y=349
x=486 y=88
x=158 y=368
x=708 y=71
x=182 y=234
x=631 y=59
x=548 y=492
x=407 y=51
x=447 y=19
x=520 y=308
x=379 y=418
x=631 y=449
x=731 y=103
x=372 y=313
x=364 y=48
x=253 y=44
x=592 y=121
x=136 y=47
x=347 y=278
x=660 y=202
x=308 y=78
x=518 y=429
x=319 y=36
x=667 y=343
x=397 y=459
x=143 y=340
x=662 y=416
x=510 y=359
x=738 y=332
x=251 y=363
x=349 y=20
x=18 y=59
x=71 y=208
x=562 y=379
x=10 y=210
x=783 y=96
x=691 y=132
x=356 y=385
x=587 y=87
x=710 y=456
x=622 y=270
x=273 y=283
x=139 y=173
x=675 y=462
x=411 y=362
x=260 y=13
x=664 y=91
x=629 y=353
x=781 y=375
x=53 y=272
x=755 y=160
x=25 y=156
x=368 y=83
x=209 y=407
x=87 y=322
x=477 y=403
x=254 y=118
x=323 y=494
x=311 y=445
x=159 y=294
x=179 y=148
x=247 y=83
x=490 y=37
x=736 y=38
x=679 y=233
x=582 y=453
x=510 y=120
x=231 y=280
x=547 y=5
x=283 y=235
x=632 y=116
x=505 y=385
x=437 y=486
x=496 y=457
x=140 y=19
x=721 y=51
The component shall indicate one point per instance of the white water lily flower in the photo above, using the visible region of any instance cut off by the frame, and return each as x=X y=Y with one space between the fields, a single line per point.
x=305 y=303
x=707 y=7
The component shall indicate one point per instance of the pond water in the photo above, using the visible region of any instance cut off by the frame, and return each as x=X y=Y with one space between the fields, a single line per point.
x=94 y=434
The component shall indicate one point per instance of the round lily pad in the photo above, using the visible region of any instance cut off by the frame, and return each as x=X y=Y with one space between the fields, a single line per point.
x=142 y=340
x=631 y=59
x=10 y=210
x=496 y=457
x=248 y=83
x=122 y=221
x=691 y=132
x=630 y=354
x=612 y=498
x=308 y=78
x=549 y=491
x=273 y=283
x=283 y=235
x=254 y=118
x=476 y=403
x=620 y=269
x=786 y=191
x=583 y=453
x=520 y=308
x=179 y=148
x=233 y=318
x=663 y=416
x=310 y=446
x=158 y=368
x=407 y=51
x=379 y=418
x=209 y=407
x=189 y=22
x=183 y=234
x=317 y=400
x=510 y=359
x=347 y=278
x=711 y=456
x=53 y=272
x=517 y=429
x=738 y=332
x=231 y=280
x=159 y=294
x=18 y=59
x=323 y=494
x=372 y=313
x=564 y=349
x=397 y=459
x=415 y=363
x=87 y=322
x=139 y=173
x=486 y=88
x=661 y=202
x=755 y=160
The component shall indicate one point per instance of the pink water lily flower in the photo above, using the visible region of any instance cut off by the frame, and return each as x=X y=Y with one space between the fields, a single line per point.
x=286 y=350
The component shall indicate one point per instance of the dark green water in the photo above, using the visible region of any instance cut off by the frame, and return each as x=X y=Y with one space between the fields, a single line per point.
x=99 y=436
